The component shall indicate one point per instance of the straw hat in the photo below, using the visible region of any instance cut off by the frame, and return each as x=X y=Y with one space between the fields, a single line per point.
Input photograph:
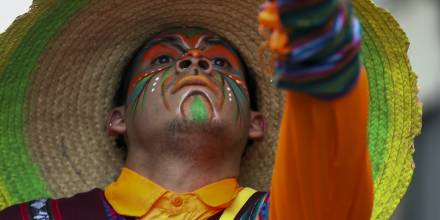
x=60 y=65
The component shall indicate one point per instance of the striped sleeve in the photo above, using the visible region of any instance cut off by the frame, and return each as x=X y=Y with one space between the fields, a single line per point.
x=318 y=44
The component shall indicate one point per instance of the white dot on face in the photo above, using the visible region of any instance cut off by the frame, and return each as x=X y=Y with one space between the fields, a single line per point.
x=154 y=89
x=229 y=89
x=157 y=78
x=154 y=84
x=230 y=94
x=230 y=99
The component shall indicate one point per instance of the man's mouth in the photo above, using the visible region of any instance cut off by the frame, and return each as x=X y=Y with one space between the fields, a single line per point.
x=195 y=80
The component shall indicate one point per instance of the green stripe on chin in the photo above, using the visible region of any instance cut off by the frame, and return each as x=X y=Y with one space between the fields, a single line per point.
x=198 y=110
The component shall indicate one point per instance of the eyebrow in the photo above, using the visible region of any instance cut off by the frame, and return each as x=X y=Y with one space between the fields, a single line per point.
x=214 y=40
x=171 y=40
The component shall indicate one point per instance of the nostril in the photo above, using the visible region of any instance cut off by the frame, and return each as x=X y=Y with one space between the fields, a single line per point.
x=185 y=64
x=204 y=64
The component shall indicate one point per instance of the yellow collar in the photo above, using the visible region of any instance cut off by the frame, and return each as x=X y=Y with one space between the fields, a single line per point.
x=134 y=195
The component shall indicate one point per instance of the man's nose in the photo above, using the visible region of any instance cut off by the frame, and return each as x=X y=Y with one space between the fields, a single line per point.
x=194 y=65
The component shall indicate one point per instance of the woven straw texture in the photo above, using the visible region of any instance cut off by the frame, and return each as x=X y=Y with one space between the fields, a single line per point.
x=60 y=64
x=394 y=109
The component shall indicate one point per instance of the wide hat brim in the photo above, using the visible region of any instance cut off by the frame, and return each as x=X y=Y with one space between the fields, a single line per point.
x=60 y=65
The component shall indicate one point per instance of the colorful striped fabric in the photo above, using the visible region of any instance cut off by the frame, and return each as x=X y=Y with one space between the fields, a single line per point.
x=384 y=45
x=322 y=56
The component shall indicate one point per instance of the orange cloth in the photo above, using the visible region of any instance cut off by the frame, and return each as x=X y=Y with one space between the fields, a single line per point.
x=135 y=195
x=322 y=168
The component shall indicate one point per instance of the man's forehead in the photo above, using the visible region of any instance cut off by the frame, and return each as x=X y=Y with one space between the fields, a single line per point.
x=191 y=36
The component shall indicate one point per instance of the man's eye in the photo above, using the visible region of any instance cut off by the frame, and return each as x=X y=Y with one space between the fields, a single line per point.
x=163 y=59
x=221 y=62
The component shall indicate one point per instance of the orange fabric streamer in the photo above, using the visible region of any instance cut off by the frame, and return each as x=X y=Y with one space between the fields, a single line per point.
x=322 y=168
x=269 y=20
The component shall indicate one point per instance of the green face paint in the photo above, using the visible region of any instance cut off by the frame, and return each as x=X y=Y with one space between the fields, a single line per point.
x=198 y=110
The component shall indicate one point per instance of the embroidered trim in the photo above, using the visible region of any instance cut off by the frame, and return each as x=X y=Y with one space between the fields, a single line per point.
x=39 y=210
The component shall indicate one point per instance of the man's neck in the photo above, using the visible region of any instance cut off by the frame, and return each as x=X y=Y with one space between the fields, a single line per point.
x=183 y=173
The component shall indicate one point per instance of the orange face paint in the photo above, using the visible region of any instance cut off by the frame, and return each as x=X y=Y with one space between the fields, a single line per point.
x=161 y=53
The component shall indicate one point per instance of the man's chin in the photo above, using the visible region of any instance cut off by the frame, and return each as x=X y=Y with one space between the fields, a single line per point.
x=188 y=125
x=197 y=107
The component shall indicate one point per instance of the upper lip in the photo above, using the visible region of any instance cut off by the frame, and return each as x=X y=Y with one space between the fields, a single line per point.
x=194 y=80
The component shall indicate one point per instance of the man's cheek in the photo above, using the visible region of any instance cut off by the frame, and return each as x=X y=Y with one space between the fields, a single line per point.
x=237 y=96
x=161 y=83
x=144 y=85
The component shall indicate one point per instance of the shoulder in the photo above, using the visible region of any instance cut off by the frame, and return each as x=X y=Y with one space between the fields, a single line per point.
x=88 y=205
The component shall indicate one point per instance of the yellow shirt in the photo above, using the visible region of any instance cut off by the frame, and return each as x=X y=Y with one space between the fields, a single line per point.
x=136 y=196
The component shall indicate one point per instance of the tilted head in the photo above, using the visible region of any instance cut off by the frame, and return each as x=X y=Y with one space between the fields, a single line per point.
x=186 y=89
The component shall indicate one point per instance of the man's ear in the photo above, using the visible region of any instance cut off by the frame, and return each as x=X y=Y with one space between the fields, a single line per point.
x=116 y=121
x=257 y=126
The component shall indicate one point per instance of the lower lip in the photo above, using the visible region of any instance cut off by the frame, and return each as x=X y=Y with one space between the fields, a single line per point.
x=197 y=107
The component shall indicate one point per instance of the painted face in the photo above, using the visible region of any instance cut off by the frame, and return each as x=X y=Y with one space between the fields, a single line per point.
x=189 y=74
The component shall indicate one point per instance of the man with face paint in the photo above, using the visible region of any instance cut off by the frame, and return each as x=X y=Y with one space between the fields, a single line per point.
x=187 y=114
x=185 y=110
x=187 y=106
